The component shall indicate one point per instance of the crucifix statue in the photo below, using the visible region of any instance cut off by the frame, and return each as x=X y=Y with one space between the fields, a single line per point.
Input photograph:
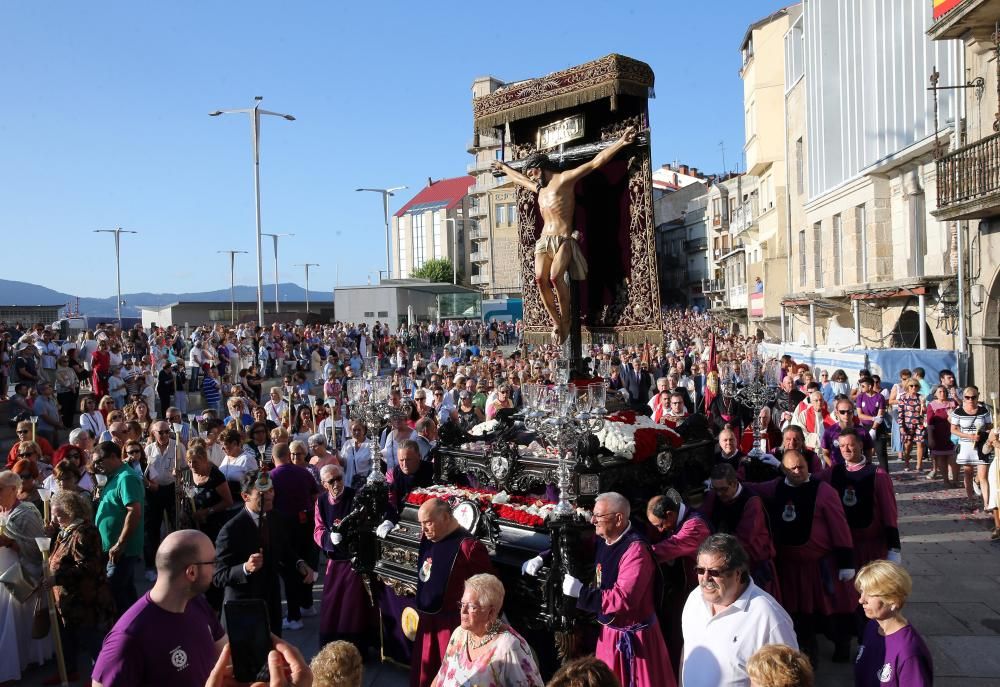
x=557 y=250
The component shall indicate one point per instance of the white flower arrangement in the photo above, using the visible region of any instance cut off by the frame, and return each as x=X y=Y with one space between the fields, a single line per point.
x=484 y=428
x=619 y=437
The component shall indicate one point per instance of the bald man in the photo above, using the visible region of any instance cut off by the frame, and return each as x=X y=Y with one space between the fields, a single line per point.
x=448 y=556
x=171 y=636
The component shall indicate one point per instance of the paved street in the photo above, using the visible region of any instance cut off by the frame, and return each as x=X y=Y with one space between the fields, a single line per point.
x=955 y=603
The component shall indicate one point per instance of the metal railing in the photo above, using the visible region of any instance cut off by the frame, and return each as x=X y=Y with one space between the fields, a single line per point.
x=479 y=256
x=743 y=217
x=970 y=172
x=479 y=234
x=737 y=296
x=713 y=285
x=478 y=166
x=479 y=279
x=484 y=185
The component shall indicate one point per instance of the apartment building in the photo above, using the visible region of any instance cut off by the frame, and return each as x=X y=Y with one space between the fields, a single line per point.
x=967 y=199
x=870 y=259
x=680 y=214
x=432 y=225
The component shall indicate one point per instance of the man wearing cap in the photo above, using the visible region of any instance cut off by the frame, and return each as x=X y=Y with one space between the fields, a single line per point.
x=252 y=550
x=25 y=365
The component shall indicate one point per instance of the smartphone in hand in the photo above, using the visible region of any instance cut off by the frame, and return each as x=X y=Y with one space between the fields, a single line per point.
x=249 y=638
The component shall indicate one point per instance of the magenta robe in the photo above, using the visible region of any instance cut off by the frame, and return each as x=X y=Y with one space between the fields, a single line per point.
x=631 y=602
x=346 y=609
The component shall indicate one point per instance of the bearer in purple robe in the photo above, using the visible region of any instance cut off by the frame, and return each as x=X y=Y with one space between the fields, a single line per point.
x=410 y=472
x=623 y=595
x=813 y=544
x=448 y=556
x=346 y=611
x=865 y=492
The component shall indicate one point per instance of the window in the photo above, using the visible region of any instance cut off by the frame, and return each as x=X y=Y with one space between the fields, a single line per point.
x=918 y=235
x=512 y=213
x=417 y=222
x=800 y=182
x=818 y=253
x=802 y=257
x=383 y=313
x=437 y=236
x=369 y=314
x=404 y=267
x=838 y=241
x=501 y=214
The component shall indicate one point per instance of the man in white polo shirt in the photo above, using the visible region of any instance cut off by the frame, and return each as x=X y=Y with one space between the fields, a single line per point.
x=727 y=618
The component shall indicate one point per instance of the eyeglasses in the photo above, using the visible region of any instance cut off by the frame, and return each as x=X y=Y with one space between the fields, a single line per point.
x=333 y=480
x=714 y=573
x=843 y=412
x=470 y=607
x=598 y=516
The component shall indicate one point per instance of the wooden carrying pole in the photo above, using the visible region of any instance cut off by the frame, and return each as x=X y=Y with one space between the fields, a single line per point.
x=43 y=546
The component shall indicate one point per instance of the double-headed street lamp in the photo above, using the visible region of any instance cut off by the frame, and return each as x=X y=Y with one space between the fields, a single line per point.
x=255 y=112
x=386 y=193
x=307 y=265
x=274 y=239
x=118 y=263
x=232 y=281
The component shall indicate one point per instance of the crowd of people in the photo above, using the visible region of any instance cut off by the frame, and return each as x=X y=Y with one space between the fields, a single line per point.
x=254 y=484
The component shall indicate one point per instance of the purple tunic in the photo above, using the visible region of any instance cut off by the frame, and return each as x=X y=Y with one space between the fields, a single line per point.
x=831 y=442
x=900 y=659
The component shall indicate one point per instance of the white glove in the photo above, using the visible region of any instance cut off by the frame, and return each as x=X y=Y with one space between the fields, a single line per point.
x=384 y=529
x=894 y=556
x=845 y=574
x=768 y=459
x=531 y=567
x=571 y=586
x=336 y=538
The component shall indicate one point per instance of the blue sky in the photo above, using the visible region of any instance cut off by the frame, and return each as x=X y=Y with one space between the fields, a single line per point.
x=105 y=123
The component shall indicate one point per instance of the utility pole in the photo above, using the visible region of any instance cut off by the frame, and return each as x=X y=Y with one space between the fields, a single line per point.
x=118 y=263
x=307 y=265
x=232 y=283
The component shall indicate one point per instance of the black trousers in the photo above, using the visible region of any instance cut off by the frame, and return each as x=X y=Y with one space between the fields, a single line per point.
x=158 y=503
x=298 y=594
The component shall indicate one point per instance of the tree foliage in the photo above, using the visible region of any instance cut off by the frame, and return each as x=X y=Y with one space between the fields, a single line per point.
x=439 y=270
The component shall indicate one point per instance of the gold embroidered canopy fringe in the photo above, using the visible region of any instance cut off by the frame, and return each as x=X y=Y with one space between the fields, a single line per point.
x=607 y=77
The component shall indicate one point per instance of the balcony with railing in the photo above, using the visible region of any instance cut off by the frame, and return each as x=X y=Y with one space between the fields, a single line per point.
x=479 y=279
x=695 y=245
x=479 y=234
x=713 y=285
x=743 y=217
x=479 y=166
x=479 y=256
x=737 y=297
x=483 y=185
x=968 y=181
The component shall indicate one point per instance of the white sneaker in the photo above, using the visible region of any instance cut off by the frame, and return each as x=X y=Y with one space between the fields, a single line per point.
x=151 y=576
x=308 y=612
x=976 y=488
x=287 y=624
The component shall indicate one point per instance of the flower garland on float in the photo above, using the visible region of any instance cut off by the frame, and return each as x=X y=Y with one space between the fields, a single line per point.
x=523 y=510
x=635 y=437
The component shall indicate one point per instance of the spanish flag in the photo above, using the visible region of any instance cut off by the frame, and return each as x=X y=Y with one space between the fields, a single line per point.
x=941 y=7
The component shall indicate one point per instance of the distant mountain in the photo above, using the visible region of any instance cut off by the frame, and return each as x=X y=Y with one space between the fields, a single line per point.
x=23 y=293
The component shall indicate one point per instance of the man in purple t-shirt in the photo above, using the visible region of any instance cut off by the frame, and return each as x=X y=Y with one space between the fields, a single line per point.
x=171 y=636
x=843 y=411
x=295 y=492
x=871 y=417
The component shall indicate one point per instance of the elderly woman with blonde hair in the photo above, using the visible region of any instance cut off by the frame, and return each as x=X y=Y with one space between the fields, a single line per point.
x=484 y=650
x=338 y=664
x=891 y=651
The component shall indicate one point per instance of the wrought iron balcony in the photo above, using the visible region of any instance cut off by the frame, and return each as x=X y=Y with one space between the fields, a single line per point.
x=713 y=285
x=743 y=217
x=968 y=180
x=479 y=234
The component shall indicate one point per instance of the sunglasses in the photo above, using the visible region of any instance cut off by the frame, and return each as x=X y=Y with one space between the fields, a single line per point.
x=843 y=412
x=971 y=398
x=714 y=573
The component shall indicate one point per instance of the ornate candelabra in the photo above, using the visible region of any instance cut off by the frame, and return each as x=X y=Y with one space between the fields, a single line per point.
x=563 y=417
x=753 y=383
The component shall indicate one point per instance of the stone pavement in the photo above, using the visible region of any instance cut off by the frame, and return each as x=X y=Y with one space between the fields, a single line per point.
x=955 y=603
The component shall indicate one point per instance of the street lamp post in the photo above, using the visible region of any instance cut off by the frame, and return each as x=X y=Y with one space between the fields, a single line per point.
x=274 y=238
x=255 y=112
x=232 y=282
x=307 y=265
x=118 y=263
x=454 y=249
x=386 y=193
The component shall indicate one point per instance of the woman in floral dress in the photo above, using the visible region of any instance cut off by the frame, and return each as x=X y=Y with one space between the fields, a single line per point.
x=912 y=415
x=483 y=651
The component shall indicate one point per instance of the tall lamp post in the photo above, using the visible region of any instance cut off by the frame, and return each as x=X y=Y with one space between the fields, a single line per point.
x=307 y=265
x=255 y=112
x=274 y=238
x=232 y=282
x=118 y=263
x=386 y=193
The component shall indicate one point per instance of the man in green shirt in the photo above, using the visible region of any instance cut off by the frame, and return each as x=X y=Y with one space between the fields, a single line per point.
x=119 y=520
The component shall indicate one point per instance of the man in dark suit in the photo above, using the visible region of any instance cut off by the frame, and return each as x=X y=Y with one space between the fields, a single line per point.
x=254 y=547
x=631 y=375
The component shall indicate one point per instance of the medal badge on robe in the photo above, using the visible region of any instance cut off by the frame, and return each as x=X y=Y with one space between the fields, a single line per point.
x=597 y=574
x=425 y=570
x=789 y=513
x=850 y=498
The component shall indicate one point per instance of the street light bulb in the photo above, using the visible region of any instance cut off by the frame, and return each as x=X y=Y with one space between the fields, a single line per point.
x=215 y=114
x=290 y=118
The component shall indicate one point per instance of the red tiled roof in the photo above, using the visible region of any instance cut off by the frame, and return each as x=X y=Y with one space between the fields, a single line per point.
x=446 y=193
